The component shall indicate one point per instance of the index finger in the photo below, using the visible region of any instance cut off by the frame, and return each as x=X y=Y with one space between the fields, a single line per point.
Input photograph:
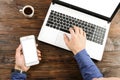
x=81 y=31
x=71 y=31
x=76 y=29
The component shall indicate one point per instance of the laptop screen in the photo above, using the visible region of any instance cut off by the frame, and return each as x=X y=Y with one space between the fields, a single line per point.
x=102 y=7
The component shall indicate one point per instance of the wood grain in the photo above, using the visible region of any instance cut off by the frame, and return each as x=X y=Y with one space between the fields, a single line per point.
x=56 y=64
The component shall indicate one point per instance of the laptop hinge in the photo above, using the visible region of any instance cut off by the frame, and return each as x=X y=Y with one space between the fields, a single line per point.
x=54 y=1
x=81 y=10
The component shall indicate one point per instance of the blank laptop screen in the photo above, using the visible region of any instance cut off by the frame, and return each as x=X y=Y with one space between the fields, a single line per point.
x=102 y=7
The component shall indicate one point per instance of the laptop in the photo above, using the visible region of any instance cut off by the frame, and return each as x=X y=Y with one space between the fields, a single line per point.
x=93 y=16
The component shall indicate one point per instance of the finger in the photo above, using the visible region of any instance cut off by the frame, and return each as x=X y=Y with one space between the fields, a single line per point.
x=66 y=39
x=36 y=45
x=18 y=50
x=38 y=51
x=76 y=29
x=40 y=59
x=39 y=55
x=81 y=31
x=72 y=32
x=84 y=34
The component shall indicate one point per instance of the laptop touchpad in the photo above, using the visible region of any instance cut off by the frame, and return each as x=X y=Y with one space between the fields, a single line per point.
x=60 y=40
x=48 y=35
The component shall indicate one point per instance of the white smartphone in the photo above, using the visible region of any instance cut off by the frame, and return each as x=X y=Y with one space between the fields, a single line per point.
x=29 y=50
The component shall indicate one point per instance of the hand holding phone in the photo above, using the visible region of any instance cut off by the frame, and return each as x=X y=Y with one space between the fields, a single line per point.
x=29 y=50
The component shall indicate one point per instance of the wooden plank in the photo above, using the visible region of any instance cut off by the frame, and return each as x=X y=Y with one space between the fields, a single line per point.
x=110 y=65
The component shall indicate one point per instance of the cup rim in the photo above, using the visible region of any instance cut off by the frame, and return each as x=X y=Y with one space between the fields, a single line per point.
x=28 y=6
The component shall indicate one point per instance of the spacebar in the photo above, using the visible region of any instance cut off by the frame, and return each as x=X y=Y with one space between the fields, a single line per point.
x=64 y=30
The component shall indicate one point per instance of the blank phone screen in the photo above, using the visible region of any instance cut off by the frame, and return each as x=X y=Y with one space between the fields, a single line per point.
x=29 y=50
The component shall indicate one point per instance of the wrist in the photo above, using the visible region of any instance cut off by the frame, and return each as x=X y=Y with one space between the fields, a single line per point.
x=76 y=51
x=18 y=71
x=20 y=68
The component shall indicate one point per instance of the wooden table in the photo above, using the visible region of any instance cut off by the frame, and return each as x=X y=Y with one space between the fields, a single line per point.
x=56 y=64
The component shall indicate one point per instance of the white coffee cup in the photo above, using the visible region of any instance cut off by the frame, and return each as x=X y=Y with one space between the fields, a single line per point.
x=27 y=11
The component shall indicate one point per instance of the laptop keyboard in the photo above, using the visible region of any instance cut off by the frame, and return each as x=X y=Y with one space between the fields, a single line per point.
x=63 y=22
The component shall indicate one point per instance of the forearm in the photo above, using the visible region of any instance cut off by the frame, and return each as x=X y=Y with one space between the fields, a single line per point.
x=110 y=78
x=87 y=67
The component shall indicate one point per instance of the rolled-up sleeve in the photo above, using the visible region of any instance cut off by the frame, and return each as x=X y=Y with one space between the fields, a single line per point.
x=87 y=67
x=18 y=76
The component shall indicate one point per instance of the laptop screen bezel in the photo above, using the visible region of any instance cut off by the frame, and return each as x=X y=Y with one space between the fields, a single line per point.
x=87 y=11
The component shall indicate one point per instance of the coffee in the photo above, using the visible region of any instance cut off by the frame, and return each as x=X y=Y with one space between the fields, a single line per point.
x=28 y=11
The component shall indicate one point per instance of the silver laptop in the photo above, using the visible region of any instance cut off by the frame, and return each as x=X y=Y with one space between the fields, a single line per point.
x=93 y=16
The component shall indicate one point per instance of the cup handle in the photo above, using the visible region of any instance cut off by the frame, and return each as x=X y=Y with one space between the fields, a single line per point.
x=21 y=10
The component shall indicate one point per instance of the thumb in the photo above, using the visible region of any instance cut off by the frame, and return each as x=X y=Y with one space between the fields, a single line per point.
x=66 y=39
x=18 y=50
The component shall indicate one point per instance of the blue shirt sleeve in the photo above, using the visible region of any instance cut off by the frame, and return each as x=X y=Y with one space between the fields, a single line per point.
x=87 y=67
x=18 y=76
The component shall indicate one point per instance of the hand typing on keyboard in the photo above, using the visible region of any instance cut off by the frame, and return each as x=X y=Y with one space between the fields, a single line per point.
x=77 y=41
x=63 y=22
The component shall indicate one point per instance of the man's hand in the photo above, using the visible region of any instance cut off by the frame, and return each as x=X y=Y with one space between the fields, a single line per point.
x=109 y=78
x=20 y=62
x=77 y=41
